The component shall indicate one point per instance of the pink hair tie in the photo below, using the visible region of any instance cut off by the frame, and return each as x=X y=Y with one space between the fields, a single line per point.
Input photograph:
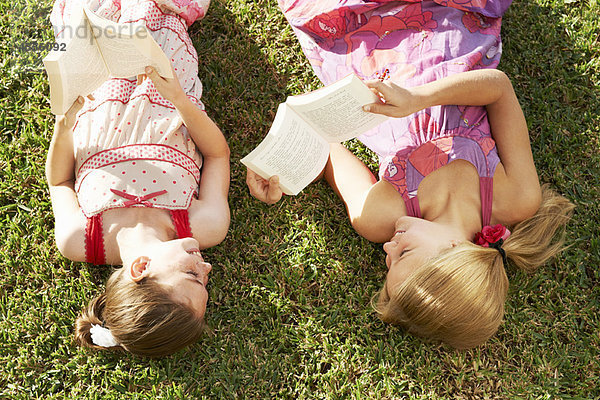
x=493 y=236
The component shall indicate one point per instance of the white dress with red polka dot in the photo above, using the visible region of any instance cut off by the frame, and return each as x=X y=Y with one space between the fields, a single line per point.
x=131 y=147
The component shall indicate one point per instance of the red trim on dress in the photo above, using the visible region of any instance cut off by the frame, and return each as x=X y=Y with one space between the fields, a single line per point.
x=181 y=221
x=94 y=241
x=94 y=238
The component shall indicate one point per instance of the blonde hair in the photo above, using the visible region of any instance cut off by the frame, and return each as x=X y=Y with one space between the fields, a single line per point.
x=458 y=297
x=141 y=316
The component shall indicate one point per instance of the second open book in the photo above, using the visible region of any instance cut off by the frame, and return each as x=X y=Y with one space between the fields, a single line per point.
x=297 y=145
x=94 y=49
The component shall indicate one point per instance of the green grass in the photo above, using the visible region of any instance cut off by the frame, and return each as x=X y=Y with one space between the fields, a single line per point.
x=291 y=284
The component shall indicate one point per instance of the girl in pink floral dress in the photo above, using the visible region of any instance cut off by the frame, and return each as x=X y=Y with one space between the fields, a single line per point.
x=456 y=173
x=139 y=177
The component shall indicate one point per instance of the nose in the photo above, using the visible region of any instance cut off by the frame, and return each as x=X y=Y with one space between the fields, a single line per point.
x=207 y=267
x=388 y=246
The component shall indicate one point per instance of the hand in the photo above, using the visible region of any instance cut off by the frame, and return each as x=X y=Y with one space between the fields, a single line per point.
x=267 y=191
x=395 y=101
x=169 y=88
x=67 y=121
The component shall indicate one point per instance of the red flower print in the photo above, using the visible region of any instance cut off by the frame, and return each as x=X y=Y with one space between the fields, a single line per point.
x=410 y=17
x=431 y=155
x=475 y=22
x=395 y=173
x=465 y=4
x=413 y=17
x=329 y=26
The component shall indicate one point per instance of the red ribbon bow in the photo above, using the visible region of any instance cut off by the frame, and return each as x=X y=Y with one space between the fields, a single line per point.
x=132 y=199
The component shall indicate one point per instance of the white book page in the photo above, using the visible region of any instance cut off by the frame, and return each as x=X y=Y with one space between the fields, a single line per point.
x=128 y=48
x=335 y=111
x=77 y=71
x=290 y=150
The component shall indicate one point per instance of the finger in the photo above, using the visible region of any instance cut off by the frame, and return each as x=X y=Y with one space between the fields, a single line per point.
x=140 y=79
x=253 y=183
x=383 y=109
x=274 y=192
x=77 y=104
x=152 y=74
x=91 y=97
x=384 y=88
x=251 y=177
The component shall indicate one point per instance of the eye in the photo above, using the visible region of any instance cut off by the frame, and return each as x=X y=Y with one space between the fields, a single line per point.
x=194 y=273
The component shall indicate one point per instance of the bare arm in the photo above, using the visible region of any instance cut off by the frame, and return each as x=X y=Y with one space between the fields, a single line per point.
x=209 y=215
x=60 y=173
x=372 y=206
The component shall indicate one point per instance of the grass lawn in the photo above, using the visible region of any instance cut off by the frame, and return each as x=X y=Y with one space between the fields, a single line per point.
x=289 y=293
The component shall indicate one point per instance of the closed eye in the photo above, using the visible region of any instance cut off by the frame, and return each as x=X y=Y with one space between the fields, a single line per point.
x=195 y=275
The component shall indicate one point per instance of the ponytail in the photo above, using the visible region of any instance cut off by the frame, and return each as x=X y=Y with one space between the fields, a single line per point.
x=91 y=315
x=141 y=317
x=539 y=238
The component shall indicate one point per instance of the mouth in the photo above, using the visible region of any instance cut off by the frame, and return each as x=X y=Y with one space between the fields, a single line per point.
x=397 y=234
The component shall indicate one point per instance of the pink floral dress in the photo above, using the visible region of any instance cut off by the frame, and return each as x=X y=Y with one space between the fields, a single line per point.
x=410 y=42
x=131 y=147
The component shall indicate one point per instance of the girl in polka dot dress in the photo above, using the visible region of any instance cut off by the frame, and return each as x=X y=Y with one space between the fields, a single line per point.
x=124 y=170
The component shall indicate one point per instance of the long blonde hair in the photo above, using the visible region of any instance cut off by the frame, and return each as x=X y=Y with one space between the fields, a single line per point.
x=459 y=296
x=141 y=316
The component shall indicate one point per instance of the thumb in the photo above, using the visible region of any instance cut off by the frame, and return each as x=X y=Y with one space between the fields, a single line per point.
x=152 y=74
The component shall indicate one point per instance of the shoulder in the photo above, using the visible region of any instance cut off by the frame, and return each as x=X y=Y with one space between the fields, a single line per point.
x=382 y=206
x=69 y=222
x=70 y=237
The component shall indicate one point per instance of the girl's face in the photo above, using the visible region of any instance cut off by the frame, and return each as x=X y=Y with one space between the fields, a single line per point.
x=415 y=241
x=178 y=266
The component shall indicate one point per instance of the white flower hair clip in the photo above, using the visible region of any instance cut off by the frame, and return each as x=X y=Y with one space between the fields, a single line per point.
x=102 y=336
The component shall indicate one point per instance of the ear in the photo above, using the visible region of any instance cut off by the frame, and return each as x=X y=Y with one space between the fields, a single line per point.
x=139 y=268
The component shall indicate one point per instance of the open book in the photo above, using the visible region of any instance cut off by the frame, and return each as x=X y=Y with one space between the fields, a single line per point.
x=93 y=49
x=297 y=145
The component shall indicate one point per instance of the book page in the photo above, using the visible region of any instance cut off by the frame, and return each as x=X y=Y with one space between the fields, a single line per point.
x=77 y=71
x=335 y=111
x=128 y=48
x=290 y=150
